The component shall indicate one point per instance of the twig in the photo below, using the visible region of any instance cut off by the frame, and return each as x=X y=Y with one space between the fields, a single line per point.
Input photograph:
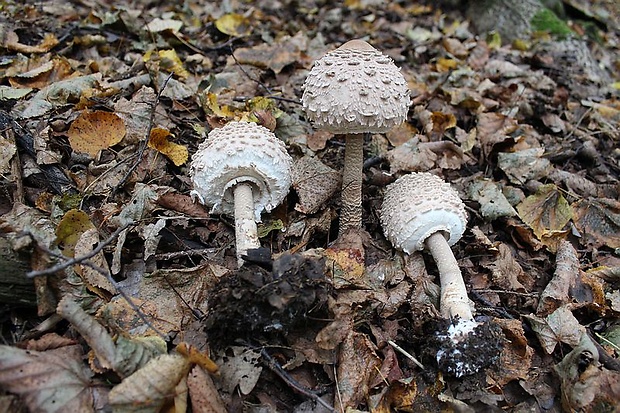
x=78 y=260
x=406 y=354
x=294 y=384
x=186 y=253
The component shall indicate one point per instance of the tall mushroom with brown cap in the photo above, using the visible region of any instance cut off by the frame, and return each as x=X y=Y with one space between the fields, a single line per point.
x=241 y=169
x=353 y=90
x=420 y=211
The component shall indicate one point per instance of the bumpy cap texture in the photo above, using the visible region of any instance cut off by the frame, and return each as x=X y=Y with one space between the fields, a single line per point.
x=416 y=206
x=241 y=152
x=355 y=89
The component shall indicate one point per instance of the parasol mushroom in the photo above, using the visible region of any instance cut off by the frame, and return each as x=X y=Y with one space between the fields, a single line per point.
x=421 y=211
x=353 y=90
x=241 y=169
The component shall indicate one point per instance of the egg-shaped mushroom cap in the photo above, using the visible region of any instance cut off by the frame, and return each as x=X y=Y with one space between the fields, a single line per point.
x=355 y=89
x=416 y=206
x=241 y=152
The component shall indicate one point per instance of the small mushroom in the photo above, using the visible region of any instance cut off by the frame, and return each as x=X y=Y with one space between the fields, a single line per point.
x=353 y=90
x=241 y=169
x=421 y=211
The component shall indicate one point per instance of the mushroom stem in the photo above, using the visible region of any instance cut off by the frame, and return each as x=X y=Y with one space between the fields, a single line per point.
x=351 y=212
x=246 y=232
x=453 y=301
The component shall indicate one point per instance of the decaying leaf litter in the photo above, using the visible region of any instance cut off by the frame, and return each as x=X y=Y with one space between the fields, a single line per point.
x=140 y=305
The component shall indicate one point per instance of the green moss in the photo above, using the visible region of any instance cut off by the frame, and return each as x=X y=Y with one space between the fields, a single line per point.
x=547 y=21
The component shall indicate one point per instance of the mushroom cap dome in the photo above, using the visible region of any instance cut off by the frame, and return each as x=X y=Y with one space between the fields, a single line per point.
x=416 y=206
x=241 y=152
x=355 y=89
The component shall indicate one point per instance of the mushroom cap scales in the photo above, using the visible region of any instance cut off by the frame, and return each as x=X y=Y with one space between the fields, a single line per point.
x=416 y=206
x=241 y=152
x=355 y=89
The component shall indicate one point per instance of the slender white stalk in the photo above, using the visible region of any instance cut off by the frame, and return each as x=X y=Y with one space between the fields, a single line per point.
x=246 y=232
x=351 y=212
x=453 y=301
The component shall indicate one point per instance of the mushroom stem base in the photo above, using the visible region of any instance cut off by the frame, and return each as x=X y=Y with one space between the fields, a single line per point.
x=351 y=212
x=246 y=232
x=453 y=301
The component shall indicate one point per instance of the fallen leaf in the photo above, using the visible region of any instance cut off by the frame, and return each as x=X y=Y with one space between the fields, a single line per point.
x=493 y=203
x=91 y=132
x=71 y=226
x=587 y=386
x=494 y=128
x=7 y=150
x=547 y=212
x=506 y=271
x=242 y=369
x=58 y=94
x=411 y=156
x=598 y=221
x=136 y=113
x=234 y=24
x=358 y=364
x=561 y=326
x=94 y=279
x=314 y=182
x=146 y=390
x=158 y=140
x=516 y=357
x=49 y=381
x=525 y=165
x=158 y=25
x=275 y=56
x=169 y=61
x=12 y=42
x=203 y=393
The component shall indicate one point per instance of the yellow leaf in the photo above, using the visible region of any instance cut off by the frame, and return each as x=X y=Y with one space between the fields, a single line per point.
x=212 y=104
x=72 y=225
x=94 y=131
x=158 y=140
x=171 y=62
x=233 y=24
x=444 y=65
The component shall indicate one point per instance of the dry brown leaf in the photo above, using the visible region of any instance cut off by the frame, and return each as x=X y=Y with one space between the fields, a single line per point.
x=598 y=221
x=494 y=128
x=357 y=367
x=49 y=381
x=242 y=369
x=314 y=182
x=93 y=131
x=136 y=113
x=275 y=56
x=182 y=203
x=11 y=41
x=203 y=394
x=516 y=357
x=547 y=212
x=95 y=280
x=122 y=317
x=586 y=385
x=411 y=156
x=146 y=390
x=506 y=271
x=561 y=326
x=493 y=203
x=317 y=140
x=522 y=166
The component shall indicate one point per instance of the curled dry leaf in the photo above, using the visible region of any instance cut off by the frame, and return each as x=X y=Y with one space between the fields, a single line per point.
x=493 y=203
x=49 y=381
x=94 y=279
x=93 y=131
x=522 y=166
x=146 y=390
x=314 y=182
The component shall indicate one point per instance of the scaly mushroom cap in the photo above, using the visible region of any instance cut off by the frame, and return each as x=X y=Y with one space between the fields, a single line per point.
x=416 y=206
x=355 y=89
x=241 y=152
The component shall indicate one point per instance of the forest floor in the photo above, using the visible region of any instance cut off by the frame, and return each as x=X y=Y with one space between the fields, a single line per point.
x=130 y=298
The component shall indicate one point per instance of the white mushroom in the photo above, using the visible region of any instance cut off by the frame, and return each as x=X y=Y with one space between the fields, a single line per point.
x=353 y=90
x=241 y=169
x=421 y=211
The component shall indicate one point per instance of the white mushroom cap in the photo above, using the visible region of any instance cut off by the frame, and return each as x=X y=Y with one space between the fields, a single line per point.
x=241 y=152
x=355 y=89
x=416 y=206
